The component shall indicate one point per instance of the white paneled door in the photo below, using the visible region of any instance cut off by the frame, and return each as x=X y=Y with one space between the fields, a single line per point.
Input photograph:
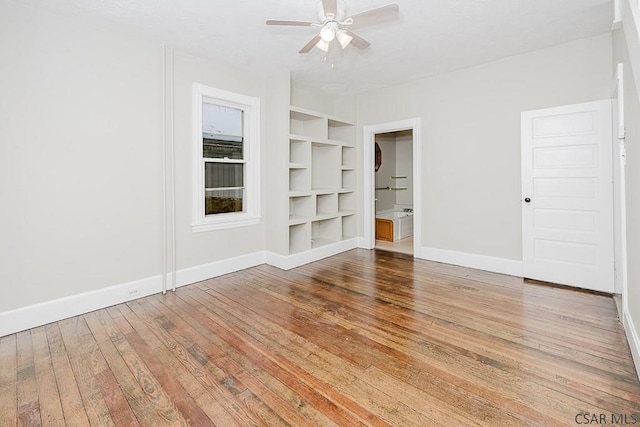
x=567 y=195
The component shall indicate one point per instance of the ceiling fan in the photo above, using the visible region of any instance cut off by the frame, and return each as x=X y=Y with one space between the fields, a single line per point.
x=334 y=26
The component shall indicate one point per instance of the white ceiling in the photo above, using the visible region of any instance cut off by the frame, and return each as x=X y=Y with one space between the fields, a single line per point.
x=428 y=37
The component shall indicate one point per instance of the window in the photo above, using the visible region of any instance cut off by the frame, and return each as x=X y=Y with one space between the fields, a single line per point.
x=226 y=164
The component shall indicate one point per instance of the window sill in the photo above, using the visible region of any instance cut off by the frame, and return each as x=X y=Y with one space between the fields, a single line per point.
x=225 y=223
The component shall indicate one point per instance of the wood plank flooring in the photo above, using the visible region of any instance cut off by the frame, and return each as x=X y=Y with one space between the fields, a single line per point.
x=362 y=338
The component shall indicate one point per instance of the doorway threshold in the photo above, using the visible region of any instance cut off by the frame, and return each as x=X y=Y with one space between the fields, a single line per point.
x=404 y=246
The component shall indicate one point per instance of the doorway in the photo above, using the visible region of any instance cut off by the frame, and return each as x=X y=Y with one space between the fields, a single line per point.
x=393 y=189
x=404 y=179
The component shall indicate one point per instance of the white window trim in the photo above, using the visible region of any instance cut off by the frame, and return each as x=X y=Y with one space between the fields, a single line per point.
x=251 y=107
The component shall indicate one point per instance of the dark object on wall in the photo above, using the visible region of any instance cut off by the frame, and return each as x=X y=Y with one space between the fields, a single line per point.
x=378 y=157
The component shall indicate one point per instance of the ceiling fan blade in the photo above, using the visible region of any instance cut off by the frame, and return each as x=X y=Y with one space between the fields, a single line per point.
x=330 y=7
x=374 y=15
x=289 y=23
x=307 y=48
x=358 y=41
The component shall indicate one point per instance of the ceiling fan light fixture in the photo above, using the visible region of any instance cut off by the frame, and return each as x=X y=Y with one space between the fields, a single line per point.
x=323 y=45
x=327 y=33
x=332 y=24
x=344 y=38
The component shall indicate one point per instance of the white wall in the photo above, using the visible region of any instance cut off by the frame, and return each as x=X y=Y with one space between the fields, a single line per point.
x=632 y=140
x=343 y=106
x=81 y=159
x=471 y=137
x=385 y=199
x=195 y=249
x=311 y=99
x=404 y=167
x=277 y=163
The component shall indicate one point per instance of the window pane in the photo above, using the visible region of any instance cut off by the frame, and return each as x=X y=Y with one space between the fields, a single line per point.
x=223 y=201
x=217 y=175
x=219 y=149
x=222 y=132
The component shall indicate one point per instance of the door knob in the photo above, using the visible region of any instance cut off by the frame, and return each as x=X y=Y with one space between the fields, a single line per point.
x=527 y=200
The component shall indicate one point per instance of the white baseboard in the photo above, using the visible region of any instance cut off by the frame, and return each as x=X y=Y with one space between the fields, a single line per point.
x=617 y=299
x=481 y=262
x=287 y=262
x=362 y=243
x=633 y=338
x=187 y=276
x=51 y=311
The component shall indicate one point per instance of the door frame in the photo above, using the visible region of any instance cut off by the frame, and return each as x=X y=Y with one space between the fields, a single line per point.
x=619 y=188
x=368 y=207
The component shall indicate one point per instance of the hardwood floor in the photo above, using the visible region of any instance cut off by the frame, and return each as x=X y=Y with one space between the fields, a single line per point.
x=362 y=338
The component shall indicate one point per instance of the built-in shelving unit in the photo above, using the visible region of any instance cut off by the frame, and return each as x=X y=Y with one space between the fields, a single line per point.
x=322 y=180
